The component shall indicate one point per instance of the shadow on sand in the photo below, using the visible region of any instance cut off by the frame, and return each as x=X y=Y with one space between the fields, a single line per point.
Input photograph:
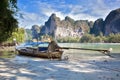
x=24 y=68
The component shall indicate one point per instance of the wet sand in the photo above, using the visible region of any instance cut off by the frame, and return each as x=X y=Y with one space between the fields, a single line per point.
x=27 y=68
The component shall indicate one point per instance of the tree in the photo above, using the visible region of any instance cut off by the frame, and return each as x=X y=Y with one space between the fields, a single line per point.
x=87 y=38
x=114 y=38
x=18 y=34
x=98 y=39
x=8 y=22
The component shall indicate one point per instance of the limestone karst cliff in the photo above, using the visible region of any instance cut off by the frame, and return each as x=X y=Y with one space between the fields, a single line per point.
x=112 y=22
x=69 y=27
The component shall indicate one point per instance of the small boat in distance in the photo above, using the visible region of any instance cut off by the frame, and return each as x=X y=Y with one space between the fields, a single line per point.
x=41 y=50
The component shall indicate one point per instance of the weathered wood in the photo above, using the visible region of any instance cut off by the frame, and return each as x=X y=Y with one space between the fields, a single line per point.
x=104 y=51
x=42 y=54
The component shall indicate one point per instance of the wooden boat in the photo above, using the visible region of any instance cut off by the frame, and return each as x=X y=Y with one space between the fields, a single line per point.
x=43 y=52
x=40 y=52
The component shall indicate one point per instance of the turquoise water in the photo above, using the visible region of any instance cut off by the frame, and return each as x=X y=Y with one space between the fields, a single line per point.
x=114 y=46
x=87 y=54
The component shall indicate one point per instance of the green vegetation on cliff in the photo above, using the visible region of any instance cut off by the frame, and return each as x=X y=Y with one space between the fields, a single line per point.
x=69 y=39
x=112 y=38
x=88 y=38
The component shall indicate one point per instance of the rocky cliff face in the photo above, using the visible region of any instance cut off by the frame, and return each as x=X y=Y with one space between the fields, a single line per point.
x=112 y=22
x=110 y=25
x=67 y=27
x=51 y=25
x=98 y=27
x=35 y=31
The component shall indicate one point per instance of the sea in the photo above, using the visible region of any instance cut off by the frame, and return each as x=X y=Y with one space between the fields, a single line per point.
x=88 y=54
x=85 y=54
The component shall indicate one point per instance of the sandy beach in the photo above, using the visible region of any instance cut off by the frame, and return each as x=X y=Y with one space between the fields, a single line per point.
x=27 y=68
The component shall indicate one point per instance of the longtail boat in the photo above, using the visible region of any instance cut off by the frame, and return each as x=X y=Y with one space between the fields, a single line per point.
x=42 y=54
x=41 y=51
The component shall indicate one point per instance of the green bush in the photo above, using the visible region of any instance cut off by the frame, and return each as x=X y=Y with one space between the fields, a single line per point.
x=18 y=34
x=87 y=38
x=113 y=38
x=68 y=39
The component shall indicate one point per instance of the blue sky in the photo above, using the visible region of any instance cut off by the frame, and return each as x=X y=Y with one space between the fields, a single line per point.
x=38 y=11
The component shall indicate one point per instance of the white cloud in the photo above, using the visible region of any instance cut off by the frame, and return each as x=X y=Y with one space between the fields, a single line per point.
x=90 y=11
x=76 y=9
x=100 y=9
x=30 y=19
x=82 y=17
x=76 y=12
x=48 y=13
x=48 y=9
x=95 y=10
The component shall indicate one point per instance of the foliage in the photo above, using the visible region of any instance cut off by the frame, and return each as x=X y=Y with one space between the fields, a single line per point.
x=18 y=34
x=98 y=39
x=69 y=39
x=70 y=20
x=87 y=38
x=114 y=38
x=8 y=23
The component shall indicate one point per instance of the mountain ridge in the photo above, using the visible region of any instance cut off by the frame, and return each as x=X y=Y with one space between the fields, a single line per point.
x=77 y=28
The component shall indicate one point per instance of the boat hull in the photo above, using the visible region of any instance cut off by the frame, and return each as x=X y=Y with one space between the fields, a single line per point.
x=41 y=54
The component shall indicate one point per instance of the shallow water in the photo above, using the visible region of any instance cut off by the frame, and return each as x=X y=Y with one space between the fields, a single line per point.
x=87 y=54
x=114 y=46
x=82 y=53
x=93 y=66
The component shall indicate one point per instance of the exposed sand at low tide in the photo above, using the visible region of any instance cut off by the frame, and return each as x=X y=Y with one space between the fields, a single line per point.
x=25 y=68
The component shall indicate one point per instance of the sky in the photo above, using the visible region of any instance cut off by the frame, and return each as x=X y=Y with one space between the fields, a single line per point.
x=37 y=12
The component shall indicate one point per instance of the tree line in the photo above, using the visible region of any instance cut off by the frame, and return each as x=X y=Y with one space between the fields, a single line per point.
x=8 y=22
x=17 y=36
x=89 y=38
